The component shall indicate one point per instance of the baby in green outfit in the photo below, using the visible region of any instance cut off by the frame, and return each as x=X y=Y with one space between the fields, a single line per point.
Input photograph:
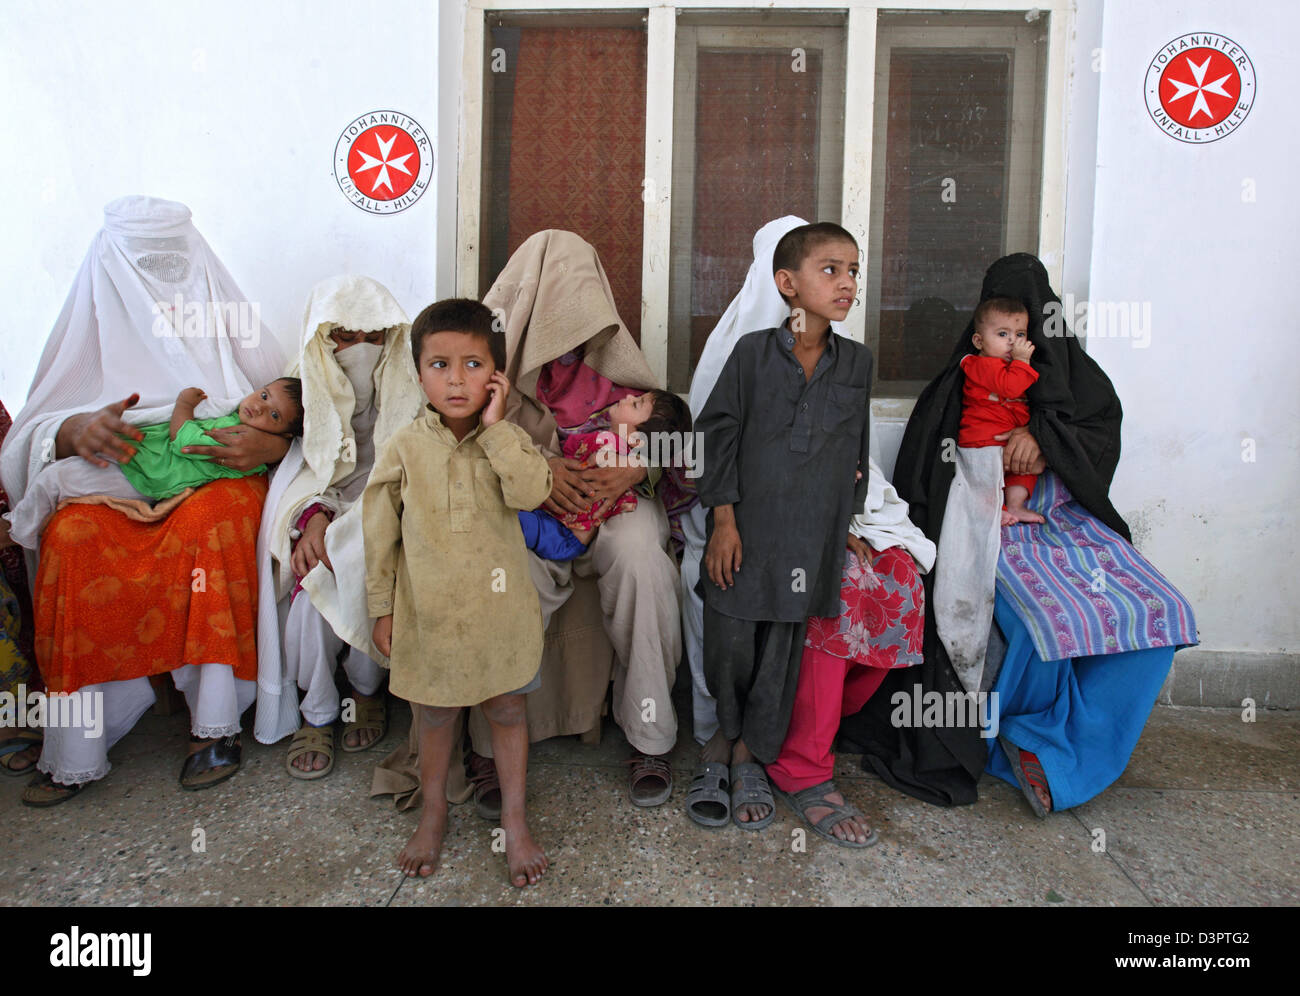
x=158 y=469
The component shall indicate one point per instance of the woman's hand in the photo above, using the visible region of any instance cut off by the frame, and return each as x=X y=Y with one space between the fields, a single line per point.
x=499 y=389
x=567 y=494
x=1022 y=454
x=383 y=635
x=310 y=549
x=723 y=555
x=242 y=447
x=92 y=433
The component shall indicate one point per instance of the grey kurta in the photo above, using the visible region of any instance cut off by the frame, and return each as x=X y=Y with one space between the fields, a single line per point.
x=783 y=450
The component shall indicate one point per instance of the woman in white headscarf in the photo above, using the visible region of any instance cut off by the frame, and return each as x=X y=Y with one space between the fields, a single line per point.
x=358 y=387
x=845 y=658
x=152 y=311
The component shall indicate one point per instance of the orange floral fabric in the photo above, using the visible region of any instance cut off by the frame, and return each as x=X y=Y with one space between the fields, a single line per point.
x=118 y=599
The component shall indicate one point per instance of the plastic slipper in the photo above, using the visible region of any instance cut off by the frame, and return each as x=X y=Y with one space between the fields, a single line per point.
x=37 y=793
x=211 y=764
x=1029 y=773
x=815 y=798
x=708 y=800
x=750 y=787
x=649 y=768
x=311 y=740
x=372 y=714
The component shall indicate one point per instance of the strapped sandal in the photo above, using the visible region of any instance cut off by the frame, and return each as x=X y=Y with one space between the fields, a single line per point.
x=815 y=798
x=1029 y=775
x=649 y=768
x=708 y=800
x=372 y=714
x=487 y=786
x=311 y=740
x=43 y=791
x=211 y=764
x=750 y=787
x=22 y=740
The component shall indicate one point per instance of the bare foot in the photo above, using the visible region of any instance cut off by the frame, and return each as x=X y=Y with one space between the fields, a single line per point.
x=420 y=855
x=5 y=541
x=22 y=761
x=717 y=749
x=849 y=827
x=360 y=737
x=751 y=812
x=1013 y=514
x=525 y=859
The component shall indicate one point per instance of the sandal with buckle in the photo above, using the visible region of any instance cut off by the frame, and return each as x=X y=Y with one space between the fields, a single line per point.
x=43 y=791
x=211 y=764
x=708 y=800
x=649 y=768
x=311 y=740
x=371 y=714
x=487 y=786
x=815 y=798
x=750 y=787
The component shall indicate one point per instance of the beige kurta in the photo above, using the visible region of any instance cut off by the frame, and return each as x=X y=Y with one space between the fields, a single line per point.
x=445 y=556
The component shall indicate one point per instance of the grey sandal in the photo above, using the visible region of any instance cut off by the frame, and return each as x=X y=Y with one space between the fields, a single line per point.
x=815 y=798
x=1028 y=772
x=750 y=787
x=708 y=801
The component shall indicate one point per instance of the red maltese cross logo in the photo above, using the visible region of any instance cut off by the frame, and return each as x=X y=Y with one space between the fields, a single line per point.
x=1200 y=87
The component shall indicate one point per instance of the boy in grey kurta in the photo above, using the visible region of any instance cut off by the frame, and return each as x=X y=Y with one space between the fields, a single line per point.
x=784 y=431
x=447 y=577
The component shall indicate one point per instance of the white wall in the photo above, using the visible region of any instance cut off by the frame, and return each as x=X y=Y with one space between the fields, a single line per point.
x=232 y=108
x=1171 y=228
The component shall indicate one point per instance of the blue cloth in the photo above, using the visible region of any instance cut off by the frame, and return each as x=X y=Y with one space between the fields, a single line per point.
x=1082 y=589
x=1081 y=716
x=548 y=538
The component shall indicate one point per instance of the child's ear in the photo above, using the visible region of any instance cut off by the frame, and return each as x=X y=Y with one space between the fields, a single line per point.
x=784 y=283
x=977 y=341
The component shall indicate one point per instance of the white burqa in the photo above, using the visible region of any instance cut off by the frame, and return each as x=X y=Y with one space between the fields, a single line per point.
x=152 y=311
x=883 y=523
x=353 y=401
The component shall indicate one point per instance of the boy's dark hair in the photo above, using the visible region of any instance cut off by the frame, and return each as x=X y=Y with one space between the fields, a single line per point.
x=293 y=388
x=998 y=306
x=669 y=414
x=797 y=244
x=459 y=314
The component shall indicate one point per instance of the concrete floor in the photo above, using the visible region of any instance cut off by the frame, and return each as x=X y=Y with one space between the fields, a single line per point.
x=1206 y=814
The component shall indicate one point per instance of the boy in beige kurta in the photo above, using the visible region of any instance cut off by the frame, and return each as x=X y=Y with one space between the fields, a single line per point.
x=447 y=575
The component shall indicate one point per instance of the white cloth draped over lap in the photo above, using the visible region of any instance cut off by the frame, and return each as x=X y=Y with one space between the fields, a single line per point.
x=883 y=523
x=353 y=401
x=120 y=333
x=969 y=545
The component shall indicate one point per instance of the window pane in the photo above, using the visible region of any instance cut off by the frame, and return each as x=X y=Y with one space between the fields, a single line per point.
x=955 y=184
x=564 y=147
x=758 y=126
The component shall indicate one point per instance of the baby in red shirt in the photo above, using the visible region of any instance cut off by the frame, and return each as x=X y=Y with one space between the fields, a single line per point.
x=993 y=398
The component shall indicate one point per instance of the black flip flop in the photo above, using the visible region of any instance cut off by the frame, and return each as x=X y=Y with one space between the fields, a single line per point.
x=212 y=764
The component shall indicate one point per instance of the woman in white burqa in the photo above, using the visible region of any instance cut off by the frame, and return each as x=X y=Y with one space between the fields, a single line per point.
x=358 y=387
x=152 y=311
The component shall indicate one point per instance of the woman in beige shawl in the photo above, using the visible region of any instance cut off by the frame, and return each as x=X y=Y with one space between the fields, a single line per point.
x=359 y=387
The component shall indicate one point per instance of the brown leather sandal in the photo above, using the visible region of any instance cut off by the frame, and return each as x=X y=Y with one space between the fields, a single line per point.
x=649 y=769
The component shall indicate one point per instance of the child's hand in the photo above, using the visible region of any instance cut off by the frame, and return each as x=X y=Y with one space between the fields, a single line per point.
x=862 y=550
x=191 y=396
x=499 y=388
x=723 y=555
x=383 y=635
x=1022 y=351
